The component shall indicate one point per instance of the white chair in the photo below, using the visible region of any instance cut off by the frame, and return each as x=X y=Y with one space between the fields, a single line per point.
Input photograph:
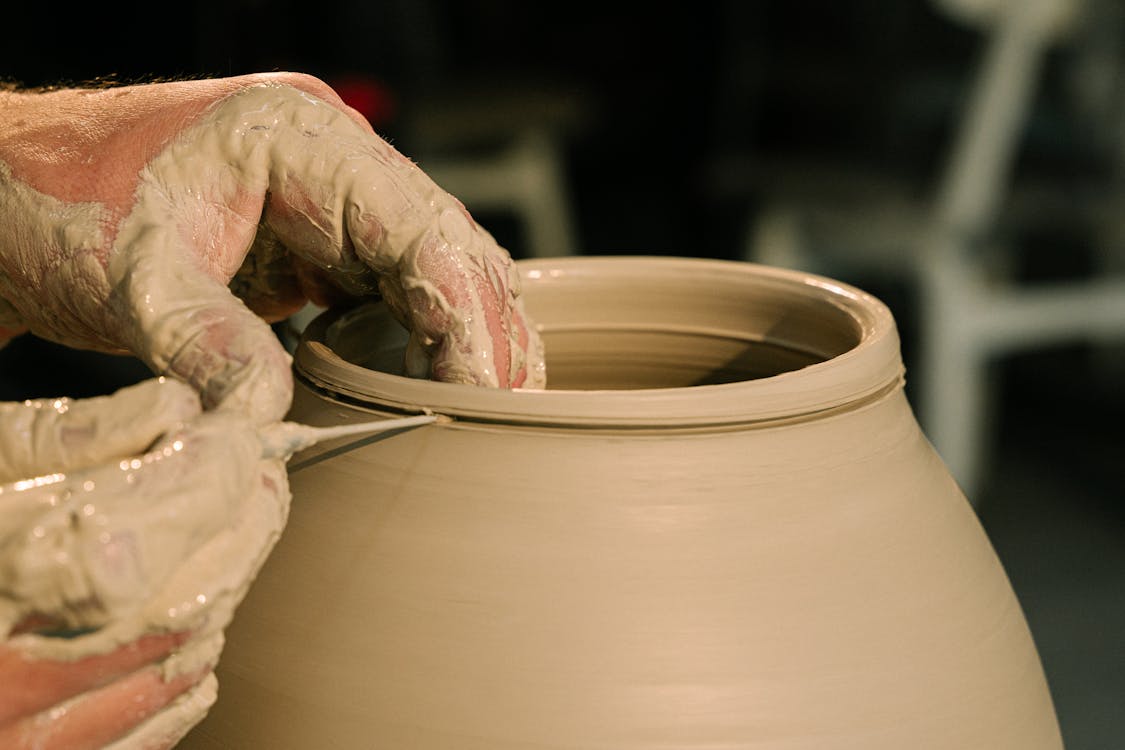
x=520 y=170
x=969 y=314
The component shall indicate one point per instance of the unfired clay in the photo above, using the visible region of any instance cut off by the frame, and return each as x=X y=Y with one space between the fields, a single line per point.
x=721 y=528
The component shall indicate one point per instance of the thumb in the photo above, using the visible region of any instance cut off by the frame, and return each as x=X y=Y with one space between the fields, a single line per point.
x=183 y=322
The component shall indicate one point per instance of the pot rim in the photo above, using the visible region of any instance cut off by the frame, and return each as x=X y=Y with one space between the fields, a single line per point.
x=865 y=371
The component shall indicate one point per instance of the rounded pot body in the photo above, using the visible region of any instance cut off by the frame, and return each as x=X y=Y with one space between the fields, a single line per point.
x=720 y=527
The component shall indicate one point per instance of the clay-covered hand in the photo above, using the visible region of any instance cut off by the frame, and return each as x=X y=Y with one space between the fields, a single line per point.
x=132 y=213
x=125 y=519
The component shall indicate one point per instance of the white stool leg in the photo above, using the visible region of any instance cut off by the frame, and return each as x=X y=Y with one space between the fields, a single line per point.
x=544 y=199
x=526 y=178
x=953 y=404
x=775 y=238
x=953 y=366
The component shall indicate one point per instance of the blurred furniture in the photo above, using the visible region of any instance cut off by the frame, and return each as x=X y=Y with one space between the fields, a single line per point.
x=500 y=148
x=492 y=134
x=970 y=310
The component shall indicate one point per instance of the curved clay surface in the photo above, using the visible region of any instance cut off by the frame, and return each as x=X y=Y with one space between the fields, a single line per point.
x=654 y=323
x=780 y=563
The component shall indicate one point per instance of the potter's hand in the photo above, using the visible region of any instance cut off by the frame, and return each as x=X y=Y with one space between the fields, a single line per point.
x=117 y=494
x=134 y=515
x=128 y=212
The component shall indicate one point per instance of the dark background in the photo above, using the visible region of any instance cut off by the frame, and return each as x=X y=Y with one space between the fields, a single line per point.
x=673 y=121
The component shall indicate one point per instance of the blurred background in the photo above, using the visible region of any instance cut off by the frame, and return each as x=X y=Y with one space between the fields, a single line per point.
x=963 y=160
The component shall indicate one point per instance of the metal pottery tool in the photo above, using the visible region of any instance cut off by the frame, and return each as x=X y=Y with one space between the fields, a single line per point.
x=283 y=439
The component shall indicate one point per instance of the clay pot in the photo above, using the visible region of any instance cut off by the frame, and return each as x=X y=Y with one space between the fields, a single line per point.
x=720 y=528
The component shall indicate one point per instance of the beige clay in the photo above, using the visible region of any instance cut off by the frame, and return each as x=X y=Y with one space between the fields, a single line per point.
x=722 y=528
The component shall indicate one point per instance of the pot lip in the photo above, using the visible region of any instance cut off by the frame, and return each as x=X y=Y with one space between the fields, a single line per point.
x=867 y=370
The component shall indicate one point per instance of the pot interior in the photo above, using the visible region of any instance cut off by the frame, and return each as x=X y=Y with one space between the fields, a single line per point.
x=625 y=359
x=585 y=359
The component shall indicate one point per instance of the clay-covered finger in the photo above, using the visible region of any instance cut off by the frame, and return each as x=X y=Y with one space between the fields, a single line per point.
x=34 y=684
x=94 y=719
x=457 y=297
x=58 y=435
x=167 y=727
x=456 y=289
x=458 y=292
